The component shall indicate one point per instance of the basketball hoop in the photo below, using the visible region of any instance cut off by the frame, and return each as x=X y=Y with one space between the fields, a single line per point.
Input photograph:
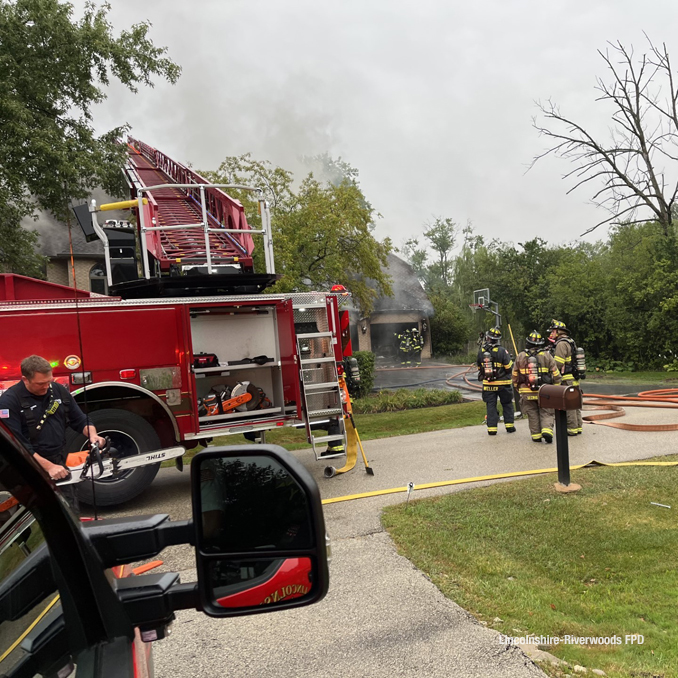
x=475 y=307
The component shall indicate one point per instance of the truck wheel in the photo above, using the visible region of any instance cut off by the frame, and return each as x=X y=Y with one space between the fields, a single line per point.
x=130 y=434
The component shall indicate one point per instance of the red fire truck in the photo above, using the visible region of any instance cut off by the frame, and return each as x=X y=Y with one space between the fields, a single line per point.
x=185 y=347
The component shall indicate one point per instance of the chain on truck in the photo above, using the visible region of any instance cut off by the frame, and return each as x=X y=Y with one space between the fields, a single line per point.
x=185 y=347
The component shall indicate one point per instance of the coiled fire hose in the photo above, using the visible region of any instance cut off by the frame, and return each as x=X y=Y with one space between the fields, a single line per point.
x=663 y=398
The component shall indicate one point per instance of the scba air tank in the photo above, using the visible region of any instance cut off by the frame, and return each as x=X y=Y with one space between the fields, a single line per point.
x=488 y=369
x=581 y=363
x=532 y=373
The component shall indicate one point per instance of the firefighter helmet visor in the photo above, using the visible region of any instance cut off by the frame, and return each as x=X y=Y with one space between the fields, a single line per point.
x=557 y=325
x=493 y=334
x=534 y=340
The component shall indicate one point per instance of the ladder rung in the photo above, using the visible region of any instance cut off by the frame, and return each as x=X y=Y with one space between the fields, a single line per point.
x=306 y=361
x=315 y=414
x=315 y=335
x=324 y=384
x=327 y=439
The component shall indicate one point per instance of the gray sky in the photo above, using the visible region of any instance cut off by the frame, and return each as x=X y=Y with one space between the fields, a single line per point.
x=432 y=101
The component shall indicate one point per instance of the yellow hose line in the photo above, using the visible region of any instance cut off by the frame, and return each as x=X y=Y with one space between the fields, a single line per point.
x=515 y=348
x=499 y=476
x=351 y=447
x=16 y=643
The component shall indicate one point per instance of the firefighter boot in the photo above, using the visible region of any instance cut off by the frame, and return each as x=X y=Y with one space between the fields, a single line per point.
x=333 y=450
x=548 y=437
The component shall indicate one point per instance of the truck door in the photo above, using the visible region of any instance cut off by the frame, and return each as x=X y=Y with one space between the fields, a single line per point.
x=288 y=357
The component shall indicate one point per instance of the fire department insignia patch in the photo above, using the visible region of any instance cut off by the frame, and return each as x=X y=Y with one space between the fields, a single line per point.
x=4 y=414
x=72 y=362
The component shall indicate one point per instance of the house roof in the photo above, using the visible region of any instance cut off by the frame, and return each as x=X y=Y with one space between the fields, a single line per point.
x=54 y=242
x=408 y=293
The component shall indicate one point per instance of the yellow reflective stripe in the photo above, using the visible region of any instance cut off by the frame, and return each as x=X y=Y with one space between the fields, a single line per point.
x=559 y=359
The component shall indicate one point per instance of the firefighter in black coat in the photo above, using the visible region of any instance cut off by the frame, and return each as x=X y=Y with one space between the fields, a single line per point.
x=37 y=411
x=494 y=365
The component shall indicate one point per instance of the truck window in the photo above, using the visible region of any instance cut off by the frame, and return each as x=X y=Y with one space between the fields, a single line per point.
x=20 y=535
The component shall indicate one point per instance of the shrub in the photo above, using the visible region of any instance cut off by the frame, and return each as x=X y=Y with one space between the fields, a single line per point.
x=366 y=366
x=607 y=365
x=405 y=399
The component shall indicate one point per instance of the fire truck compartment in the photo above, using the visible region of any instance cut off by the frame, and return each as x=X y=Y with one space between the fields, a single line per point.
x=234 y=335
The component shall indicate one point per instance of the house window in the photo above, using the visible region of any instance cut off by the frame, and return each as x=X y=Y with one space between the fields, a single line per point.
x=97 y=279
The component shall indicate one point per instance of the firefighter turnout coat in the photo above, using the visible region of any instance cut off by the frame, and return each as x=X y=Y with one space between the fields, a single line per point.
x=547 y=372
x=564 y=355
x=496 y=386
x=501 y=367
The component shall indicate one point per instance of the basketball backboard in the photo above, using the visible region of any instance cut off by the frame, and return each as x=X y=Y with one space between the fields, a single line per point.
x=481 y=298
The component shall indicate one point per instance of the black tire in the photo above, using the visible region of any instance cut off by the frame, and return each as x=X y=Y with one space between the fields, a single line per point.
x=130 y=434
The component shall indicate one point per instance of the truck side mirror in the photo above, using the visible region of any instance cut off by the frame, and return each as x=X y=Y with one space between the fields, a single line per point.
x=259 y=531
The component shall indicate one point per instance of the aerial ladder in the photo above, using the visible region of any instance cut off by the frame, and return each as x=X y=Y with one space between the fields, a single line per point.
x=184 y=225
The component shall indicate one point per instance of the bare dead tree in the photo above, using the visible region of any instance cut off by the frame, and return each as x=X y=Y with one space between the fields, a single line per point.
x=632 y=164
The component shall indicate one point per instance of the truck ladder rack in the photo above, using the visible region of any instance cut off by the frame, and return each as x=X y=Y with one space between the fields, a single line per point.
x=321 y=393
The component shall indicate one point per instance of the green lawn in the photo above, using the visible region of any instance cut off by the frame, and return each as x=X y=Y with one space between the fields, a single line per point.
x=601 y=562
x=373 y=426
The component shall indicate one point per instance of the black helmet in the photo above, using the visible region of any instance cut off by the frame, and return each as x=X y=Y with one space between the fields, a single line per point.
x=534 y=340
x=493 y=335
x=558 y=325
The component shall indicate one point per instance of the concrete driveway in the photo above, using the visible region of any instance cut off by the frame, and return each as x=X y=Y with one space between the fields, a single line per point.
x=382 y=616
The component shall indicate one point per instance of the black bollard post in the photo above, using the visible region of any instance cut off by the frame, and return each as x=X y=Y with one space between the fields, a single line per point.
x=562 y=448
x=561 y=398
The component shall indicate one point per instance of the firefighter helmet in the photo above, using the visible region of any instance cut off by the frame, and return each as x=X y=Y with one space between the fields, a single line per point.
x=558 y=325
x=493 y=335
x=338 y=288
x=534 y=340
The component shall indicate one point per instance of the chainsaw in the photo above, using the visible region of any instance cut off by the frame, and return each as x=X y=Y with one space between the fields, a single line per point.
x=223 y=399
x=104 y=463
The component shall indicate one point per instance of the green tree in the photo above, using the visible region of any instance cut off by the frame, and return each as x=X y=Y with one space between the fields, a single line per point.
x=450 y=329
x=574 y=289
x=441 y=236
x=449 y=326
x=53 y=70
x=17 y=245
x=642 y=295
x=416 y=256
x=322 y=231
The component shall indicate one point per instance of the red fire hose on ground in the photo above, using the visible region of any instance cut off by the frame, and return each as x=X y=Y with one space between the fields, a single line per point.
x=662 y=398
